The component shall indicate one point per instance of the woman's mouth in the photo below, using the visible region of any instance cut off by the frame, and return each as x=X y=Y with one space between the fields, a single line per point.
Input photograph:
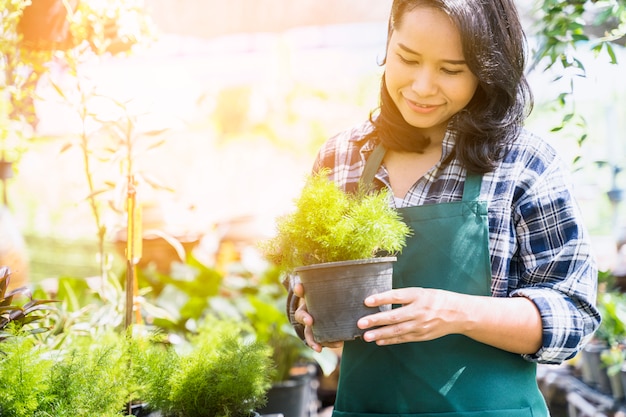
x=421 y=107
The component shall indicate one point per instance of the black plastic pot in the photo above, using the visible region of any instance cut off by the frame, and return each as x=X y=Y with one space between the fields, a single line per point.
x=335 y=294
x=291 y=398
x=591 y=354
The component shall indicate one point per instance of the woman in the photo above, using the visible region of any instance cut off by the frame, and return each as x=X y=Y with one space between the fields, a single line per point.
x=498 y=275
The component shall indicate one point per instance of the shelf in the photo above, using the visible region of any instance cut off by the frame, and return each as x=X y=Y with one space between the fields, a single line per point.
x=568 y=396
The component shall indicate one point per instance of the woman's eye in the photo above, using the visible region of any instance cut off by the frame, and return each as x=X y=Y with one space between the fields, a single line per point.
x=451 y=72
x=407 y=61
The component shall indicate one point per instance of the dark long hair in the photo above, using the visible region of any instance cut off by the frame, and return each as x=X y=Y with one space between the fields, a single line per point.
x=494 y=47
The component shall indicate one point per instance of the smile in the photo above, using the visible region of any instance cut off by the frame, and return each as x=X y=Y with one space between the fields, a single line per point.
x=422 y=108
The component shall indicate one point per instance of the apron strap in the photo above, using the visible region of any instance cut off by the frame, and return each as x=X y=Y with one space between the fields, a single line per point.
x=371 y=167
x=471 y=189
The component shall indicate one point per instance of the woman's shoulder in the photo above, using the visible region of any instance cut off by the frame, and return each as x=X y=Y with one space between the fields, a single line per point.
x=353 y=136
x=345 y=144
x=531 y=152
x=531 y=167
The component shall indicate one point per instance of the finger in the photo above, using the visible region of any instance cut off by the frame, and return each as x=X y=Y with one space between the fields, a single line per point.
x=387 y=341
x=398 y=296
x=383 y=318
x=303 y=317
x=377 y=300
x=395 y=334
x=310 y=340
x=298 y=290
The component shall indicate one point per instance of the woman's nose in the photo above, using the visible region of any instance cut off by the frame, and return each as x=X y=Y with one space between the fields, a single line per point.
x=424 y=82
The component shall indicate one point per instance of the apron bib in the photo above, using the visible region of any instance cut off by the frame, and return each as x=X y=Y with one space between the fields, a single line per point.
x=453 y=375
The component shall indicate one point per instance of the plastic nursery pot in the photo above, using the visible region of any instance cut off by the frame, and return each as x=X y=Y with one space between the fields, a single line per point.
x=335 y=294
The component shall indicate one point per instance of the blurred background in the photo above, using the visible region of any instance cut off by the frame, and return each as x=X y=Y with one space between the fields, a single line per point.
x=242 y=94
x=153 y=144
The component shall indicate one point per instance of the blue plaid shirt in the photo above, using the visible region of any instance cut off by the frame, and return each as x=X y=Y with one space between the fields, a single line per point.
x=538 y=245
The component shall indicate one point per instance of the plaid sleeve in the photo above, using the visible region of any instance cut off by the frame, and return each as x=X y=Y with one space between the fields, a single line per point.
x=555 y=266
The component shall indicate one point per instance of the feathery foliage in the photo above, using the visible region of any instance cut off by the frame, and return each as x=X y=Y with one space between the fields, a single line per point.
x=330 y=225
x=88 y=378
x=224 y=374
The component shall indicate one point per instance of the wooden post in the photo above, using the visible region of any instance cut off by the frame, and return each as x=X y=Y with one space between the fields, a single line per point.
x=133 y=251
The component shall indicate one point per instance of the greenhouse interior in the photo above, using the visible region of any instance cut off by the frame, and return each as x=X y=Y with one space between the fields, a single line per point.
x=148 y=150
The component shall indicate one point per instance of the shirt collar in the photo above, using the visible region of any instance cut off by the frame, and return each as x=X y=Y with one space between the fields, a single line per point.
x=370 y=142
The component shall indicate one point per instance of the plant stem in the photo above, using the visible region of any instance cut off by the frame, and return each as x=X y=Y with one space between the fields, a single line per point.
x=95 y=210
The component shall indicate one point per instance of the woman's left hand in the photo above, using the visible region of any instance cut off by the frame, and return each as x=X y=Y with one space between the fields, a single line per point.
x=424 y=314
x=509 y=323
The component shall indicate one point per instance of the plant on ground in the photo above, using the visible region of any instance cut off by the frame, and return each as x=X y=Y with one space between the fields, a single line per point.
x=89 y=377
x=24 y=377
x=153 y=361
x=263 y=305
x=224 y=374
x=330 y=225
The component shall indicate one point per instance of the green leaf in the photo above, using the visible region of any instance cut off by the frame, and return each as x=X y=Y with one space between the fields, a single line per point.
x=611 y=52
x=58 y=89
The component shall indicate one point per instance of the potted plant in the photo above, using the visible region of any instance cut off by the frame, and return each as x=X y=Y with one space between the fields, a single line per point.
x=220 y=374
x=296 y=367
x=338 y=244
x=597 y=356
x=613 y=360
x=84 y=377
x=254 y=297
x=224 y=373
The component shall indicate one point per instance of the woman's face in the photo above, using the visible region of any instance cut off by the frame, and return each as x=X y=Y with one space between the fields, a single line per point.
x=426 y=73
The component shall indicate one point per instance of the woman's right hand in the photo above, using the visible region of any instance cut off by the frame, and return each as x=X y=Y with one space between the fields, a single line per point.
x=303 y=317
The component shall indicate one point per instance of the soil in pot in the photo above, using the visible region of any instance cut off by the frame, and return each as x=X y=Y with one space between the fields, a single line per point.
x=335 y=294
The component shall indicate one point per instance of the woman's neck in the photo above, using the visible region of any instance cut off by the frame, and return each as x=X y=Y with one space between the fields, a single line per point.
x=406 y=168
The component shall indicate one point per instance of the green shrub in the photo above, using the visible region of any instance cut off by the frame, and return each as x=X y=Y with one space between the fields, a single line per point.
x=153 y=363
x=330 y=225
x=24 y=382
x=88 y=378
x=223 y=372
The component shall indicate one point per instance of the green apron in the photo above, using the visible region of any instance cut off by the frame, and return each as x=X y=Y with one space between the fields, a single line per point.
x=453 y=375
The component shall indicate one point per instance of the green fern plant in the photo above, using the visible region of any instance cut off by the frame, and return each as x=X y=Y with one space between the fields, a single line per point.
x=225 y=373
x=153 y=361
x=24 y=380
x=330 y=225
x=88 y=377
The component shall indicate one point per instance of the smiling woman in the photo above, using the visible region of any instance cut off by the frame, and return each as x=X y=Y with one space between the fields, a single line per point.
x=499 y=274
x=426 y=73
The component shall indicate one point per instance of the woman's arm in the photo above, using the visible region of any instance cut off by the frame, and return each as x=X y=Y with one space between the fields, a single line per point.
x=512 y=324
